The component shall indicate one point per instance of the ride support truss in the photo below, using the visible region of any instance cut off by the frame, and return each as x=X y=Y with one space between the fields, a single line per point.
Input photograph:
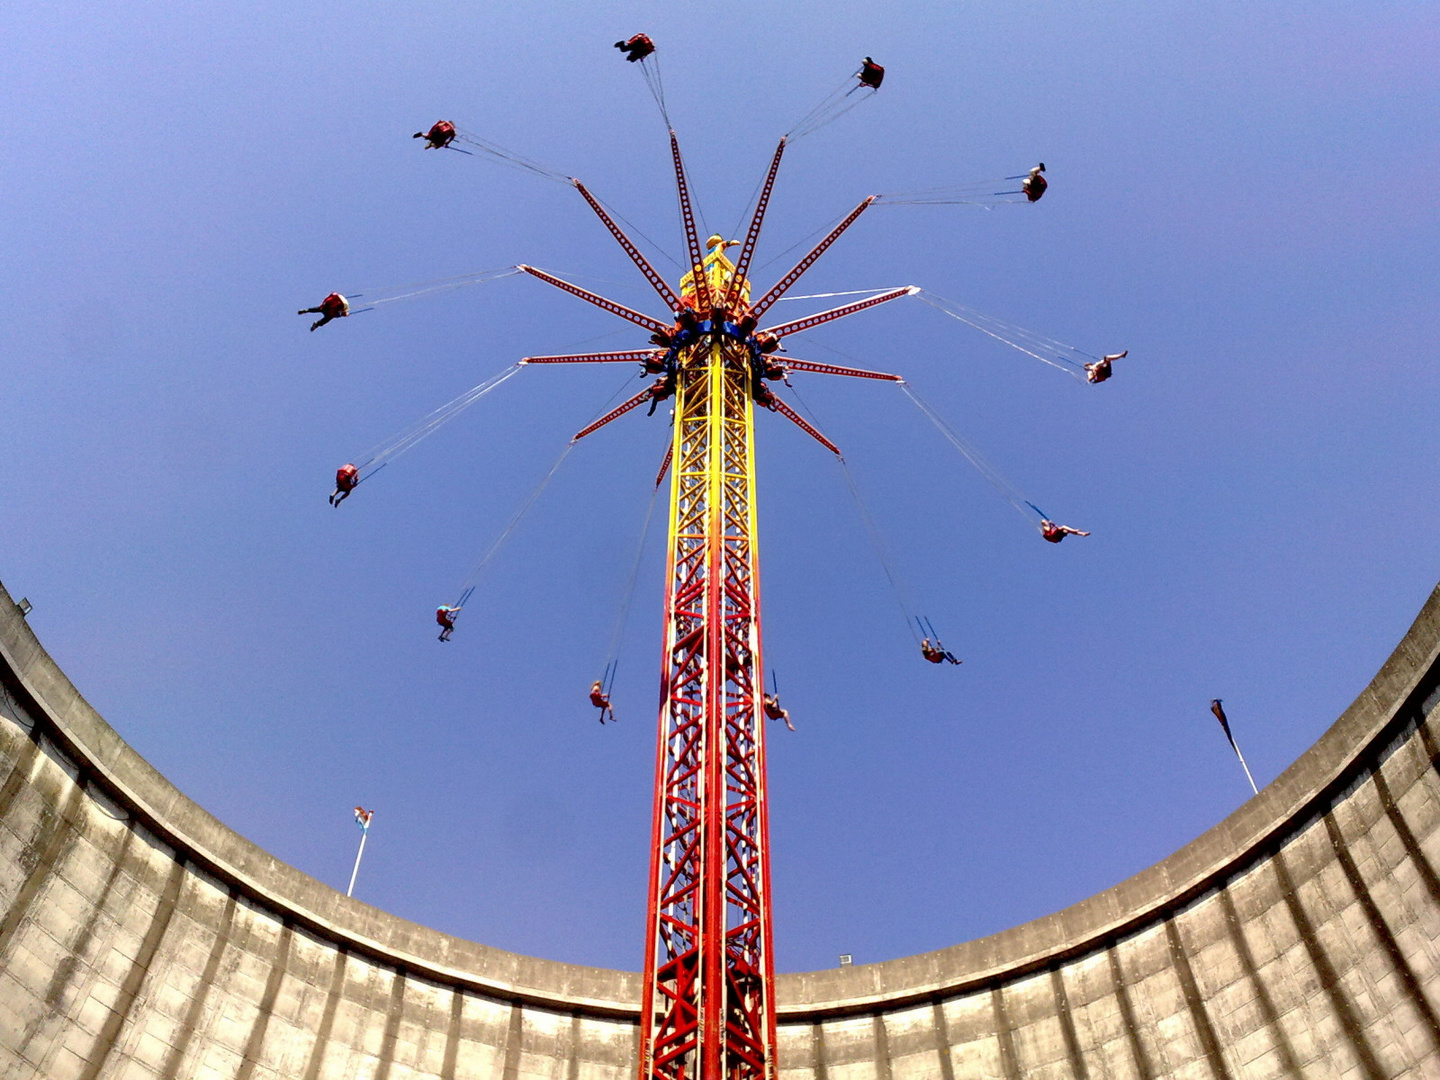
x=708 y=1010
x=709 y=966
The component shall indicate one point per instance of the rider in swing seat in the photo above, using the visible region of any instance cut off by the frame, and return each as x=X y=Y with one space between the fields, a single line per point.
x=440 y=135
x=774 y=711
x=1055 y=533
x=636 y=48
x=346 y=477
x=333 y=306
x=1099 y=371
x=1035 y=184
x=936 y=653
x=601 y=700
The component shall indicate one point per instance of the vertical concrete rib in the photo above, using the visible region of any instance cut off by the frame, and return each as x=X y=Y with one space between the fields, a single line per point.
x=882 y=1047
x=513 y=1034
x=1143 y=1068
x=1427 y=740
x=1408 y=841
x=1009 y=1060
x=73 y=958
x=1329 y=981
x=19 y=773
x=191 y=1021
x=942 y=1039
x=139 y=969
x=817 y=1041
x=452 y=1034
x=1194 y=1003
x=256 y=1040
x=56 y=832
x=1067 y=1025
x=327 y=1018
x=572 y=1062
x=1262 y=992
x=394 y=1012
x=1382 y=932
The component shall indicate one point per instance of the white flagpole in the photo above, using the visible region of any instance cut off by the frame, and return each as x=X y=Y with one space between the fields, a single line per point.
x=1237 y=754
x=364 y=835
x=1218 y=710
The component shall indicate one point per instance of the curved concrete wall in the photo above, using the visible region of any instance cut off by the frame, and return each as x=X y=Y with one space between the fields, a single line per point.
x=139 y=937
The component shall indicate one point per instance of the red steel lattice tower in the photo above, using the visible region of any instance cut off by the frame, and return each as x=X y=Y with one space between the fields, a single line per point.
x=709 y=978
x=708 y=1010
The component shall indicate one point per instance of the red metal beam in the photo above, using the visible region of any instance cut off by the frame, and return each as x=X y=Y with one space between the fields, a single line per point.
x=839 y=312
x=742 y=265
x=707 y=1005
x=653 y=325
x=835 y=369
x=692 y=238
x=665 y=465
x=614 y=414
x=660 y=285
x=790 y=414
x=783 y=285
x=636 y=355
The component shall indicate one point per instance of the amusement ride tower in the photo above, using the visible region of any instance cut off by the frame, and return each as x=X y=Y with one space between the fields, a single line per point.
x=708 y=1009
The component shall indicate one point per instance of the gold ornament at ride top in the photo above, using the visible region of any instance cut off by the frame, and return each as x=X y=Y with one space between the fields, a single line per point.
x=719 y=270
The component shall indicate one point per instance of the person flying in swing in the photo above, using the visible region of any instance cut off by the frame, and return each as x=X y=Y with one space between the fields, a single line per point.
x=1055 y=533
x=346 y=477
x=662 y=388
x=601 y=700
x=333 y=306
x=773 y=710
x=1035 y=185
x=636 y=48
x=1099 y=371
x=440 y=135
x=937 y=653
x=767 y=343
x=445 y=616
x=871 y=74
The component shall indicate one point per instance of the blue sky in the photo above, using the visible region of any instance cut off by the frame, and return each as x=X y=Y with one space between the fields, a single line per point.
x=1240 y=195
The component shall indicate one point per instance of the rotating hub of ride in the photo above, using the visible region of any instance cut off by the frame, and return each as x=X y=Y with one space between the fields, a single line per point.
x=729 y=327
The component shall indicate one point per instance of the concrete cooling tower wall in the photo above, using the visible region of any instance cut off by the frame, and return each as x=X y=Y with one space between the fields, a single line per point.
x=140 y=938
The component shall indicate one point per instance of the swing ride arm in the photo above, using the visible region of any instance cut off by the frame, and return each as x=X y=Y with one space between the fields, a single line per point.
x=799 y=421
x=840 y=312
x=653 y=325
x=614 y=414
x=783 y=285
x=635 y=355
x=692 y=238
x=742 y=265
x=642 y=264
x=836 y=369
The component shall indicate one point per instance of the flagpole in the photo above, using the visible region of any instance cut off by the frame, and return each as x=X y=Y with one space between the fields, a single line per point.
x=1237 y=754
x=1219 y=710
x=364 y=835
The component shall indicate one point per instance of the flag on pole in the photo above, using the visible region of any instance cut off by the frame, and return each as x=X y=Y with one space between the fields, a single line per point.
x=362 y=818
x=1215 y=707
x=1219 y=711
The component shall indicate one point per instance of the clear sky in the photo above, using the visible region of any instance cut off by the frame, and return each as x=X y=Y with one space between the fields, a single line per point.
x=1241 y=195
